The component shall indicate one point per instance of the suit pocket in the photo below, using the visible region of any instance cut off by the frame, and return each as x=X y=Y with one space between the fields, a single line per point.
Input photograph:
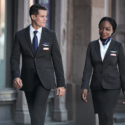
x=113 y=74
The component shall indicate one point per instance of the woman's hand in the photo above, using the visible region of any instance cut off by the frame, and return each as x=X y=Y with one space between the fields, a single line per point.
x=84 y=95
x=60 y=91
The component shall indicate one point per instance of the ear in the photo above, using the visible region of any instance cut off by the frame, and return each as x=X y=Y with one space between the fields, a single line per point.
x=32 y=17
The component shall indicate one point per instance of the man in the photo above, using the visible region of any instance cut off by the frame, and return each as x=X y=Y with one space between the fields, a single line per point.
x=40 y=58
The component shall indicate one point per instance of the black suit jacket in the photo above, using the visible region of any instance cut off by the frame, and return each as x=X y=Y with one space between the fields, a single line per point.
x=109 y=73
x=45 y=61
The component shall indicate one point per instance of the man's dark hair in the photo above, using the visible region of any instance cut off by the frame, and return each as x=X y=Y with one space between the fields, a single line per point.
x=111 y=21
x=34 y=9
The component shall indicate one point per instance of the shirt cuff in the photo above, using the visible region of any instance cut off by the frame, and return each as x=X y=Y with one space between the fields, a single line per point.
x=86 y=90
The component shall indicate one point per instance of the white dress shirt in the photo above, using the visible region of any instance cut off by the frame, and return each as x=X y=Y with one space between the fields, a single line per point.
x=103 y=49
x=38 y=34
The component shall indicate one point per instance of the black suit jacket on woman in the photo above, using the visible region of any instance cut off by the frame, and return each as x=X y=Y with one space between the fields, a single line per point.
x=109 y=73
x=45 y=61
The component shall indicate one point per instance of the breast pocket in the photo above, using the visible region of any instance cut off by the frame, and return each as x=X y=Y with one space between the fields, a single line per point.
x=113 y=54
x=46 y=48
x=113 y=57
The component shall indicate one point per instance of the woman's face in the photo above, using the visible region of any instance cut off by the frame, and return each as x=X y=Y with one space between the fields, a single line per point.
x=105 y=29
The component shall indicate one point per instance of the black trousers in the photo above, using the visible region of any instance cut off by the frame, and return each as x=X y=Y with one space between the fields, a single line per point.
x=37 y=102
x=105 y=118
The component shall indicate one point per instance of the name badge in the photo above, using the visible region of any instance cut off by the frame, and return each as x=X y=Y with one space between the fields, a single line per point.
x=113 y=51
x=46 y=48
x=112 y=54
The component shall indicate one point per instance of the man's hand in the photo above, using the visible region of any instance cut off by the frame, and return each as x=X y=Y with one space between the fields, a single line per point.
x=84 y=95
x=60 y=91
x=17 y=83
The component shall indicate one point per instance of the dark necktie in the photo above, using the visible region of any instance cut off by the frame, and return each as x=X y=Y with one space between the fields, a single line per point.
x=35 y=42
x=35 y=45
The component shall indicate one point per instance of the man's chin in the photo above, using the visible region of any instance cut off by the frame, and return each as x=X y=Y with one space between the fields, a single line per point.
x=43 y=25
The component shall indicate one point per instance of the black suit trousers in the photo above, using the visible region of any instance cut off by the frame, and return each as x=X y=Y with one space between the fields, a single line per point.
x=105 y=118
x=37 y=102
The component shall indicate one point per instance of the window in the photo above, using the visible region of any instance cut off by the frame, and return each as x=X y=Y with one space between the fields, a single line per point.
x=48 y=5
x=2 y=43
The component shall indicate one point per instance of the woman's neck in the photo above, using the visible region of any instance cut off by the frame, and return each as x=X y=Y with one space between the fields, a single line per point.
x=104 y=39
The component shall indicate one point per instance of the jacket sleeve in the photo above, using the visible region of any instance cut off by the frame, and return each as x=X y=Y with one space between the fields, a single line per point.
x=15 y=58
x=121 y=65
x=57 y=63
x=87 y=69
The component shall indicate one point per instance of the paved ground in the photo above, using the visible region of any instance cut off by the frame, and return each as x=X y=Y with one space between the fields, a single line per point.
x=58 y=123
x=119 y=119
x=119 y=124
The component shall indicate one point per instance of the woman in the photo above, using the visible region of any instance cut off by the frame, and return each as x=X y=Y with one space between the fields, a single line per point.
x=105 y=61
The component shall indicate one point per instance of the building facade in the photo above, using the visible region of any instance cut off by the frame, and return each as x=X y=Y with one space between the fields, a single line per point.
x=76 y=24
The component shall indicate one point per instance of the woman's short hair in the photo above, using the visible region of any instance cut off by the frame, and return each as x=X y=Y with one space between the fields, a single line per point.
x=111 y=21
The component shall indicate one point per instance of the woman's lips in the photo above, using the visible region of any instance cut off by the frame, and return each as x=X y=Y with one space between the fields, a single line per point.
x=103 y=35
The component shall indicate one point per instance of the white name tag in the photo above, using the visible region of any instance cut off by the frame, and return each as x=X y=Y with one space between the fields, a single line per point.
x=46 y=48
x=112 y=54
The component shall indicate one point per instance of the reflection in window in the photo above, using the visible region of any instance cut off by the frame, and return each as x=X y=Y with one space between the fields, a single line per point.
x=2 y=43
x=47 y=4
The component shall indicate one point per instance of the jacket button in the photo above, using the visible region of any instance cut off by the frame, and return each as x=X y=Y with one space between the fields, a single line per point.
x=35 y=58
x=101 y=72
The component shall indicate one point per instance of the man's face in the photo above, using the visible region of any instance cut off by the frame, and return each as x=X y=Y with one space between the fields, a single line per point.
x=40 y=19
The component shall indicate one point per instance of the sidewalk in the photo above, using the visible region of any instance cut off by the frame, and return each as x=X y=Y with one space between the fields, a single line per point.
x=119 y=119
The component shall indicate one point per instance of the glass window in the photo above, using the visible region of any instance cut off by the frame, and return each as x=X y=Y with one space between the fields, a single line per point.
x=32 y=2
x=47 y=4
x=2 y=43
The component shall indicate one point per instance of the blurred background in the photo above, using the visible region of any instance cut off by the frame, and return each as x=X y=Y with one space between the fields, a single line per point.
x=76 y=24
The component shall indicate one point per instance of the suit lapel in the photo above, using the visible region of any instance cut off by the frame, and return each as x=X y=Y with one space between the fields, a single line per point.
x=43 y=39
x=27 y=35
x=97 y=46
x=109 y=49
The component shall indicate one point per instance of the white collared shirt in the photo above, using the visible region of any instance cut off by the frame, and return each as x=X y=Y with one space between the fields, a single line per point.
x=103 y=49
x=38 y=34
